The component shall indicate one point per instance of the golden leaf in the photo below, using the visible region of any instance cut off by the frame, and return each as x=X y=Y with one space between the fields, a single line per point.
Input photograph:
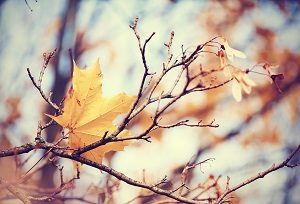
x=88 y=115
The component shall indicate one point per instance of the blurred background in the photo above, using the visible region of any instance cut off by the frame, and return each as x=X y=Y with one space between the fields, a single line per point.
x=253 y=134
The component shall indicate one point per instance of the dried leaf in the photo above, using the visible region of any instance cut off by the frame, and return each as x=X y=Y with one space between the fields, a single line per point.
x=240 y=82
x=231 y=53
x=236 y=91
x=88 y=115
x=275 y=78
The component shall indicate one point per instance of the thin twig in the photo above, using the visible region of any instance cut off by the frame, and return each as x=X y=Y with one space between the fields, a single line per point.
x=42 y=92
x=262 y=174
x=37 y=84
x=15 y=191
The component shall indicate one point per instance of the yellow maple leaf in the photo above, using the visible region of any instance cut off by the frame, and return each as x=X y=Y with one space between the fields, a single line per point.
x=88 y=115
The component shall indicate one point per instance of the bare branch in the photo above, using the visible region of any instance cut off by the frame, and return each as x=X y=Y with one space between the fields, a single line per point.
x=262 y=174
x=15 y=191
x=185 y=123
x=38 y=83
x=61 y=153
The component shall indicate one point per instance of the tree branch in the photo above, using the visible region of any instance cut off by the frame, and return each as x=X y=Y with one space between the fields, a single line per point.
x=62 y=153
x=262 y=174
x=15 y=191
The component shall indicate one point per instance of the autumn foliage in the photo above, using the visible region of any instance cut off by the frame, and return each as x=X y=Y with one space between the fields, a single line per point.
x=207 y=113
x=88 y=116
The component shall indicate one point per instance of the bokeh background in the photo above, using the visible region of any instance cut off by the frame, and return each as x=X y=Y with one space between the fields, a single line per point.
x=253 y=134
